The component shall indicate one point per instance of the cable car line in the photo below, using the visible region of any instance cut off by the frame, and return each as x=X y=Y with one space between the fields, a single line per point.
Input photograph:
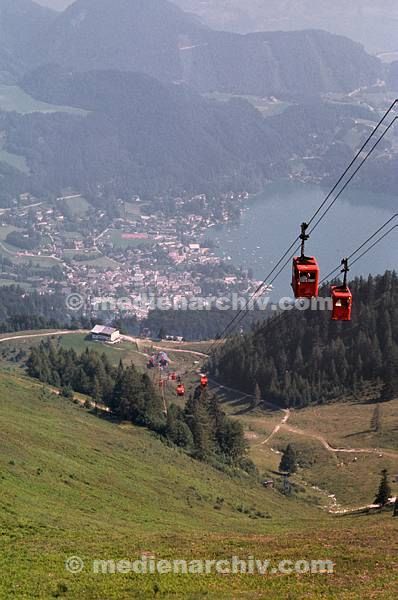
x=354 y=159
x=265 y=281
x=343 y=312
x=343 y=291
x=359 y=248
x=363 y=245
x=271 y=322
x=374 y=244
x=268 y=283
x=349 y=257
x=355 y=173
x=340 y=193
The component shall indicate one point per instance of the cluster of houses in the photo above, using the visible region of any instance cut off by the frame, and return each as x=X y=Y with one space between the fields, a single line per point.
x=157 y=256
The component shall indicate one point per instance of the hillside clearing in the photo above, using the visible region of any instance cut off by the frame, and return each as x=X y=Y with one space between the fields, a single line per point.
x=77 y=485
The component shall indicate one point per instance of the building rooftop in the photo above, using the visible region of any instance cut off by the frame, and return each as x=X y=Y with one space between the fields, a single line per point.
x=103 y=330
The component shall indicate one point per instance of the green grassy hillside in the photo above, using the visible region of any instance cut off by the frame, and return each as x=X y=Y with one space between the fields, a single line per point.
x=75 y=484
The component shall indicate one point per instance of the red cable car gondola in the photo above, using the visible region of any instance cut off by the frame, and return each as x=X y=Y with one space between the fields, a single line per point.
x=204 y=381
x=181 y=390
x=342 y=297
x=305 y=280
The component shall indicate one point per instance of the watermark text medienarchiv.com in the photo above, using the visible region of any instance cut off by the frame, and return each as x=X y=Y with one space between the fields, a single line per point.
x=151 y=565
x=235 y=302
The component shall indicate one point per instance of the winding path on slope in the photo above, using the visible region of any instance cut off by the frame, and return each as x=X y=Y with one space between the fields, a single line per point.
x=28 y=336
x=330 y=448
x=283 y=424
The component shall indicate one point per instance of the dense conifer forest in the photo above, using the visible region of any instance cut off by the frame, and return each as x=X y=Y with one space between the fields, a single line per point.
x=303 y=358
x=22 y=311
x=200 y=428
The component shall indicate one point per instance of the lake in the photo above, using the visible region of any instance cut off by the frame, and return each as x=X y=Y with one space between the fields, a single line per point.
x=272 y=221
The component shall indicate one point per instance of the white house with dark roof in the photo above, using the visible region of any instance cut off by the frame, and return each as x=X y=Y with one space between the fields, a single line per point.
x=108 y=335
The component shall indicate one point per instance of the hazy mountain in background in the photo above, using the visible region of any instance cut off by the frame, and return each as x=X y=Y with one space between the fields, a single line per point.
x=145 y=136
x=157 y=38
x=21 y=22
x=139 y=134
x=371 y=22
x=301 y=63
x=374 y=23
x=148 y=131
x=120 y=34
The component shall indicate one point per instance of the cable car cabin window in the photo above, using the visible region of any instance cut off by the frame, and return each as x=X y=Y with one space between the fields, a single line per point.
x=343 y=302
x=305 y=280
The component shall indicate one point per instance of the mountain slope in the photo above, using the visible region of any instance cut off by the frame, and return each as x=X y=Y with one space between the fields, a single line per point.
x=10 y=67
x=278 y=63
x=21 y=23
x=373 y=23
x=143 y=136
x=20 y=20
x=120 y=34
x=139 y=133
x=159 y=39
x=73 y=484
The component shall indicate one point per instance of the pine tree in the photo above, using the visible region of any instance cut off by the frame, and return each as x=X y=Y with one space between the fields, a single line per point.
x=375 y=423
x=390 y=387
x=96 y=392
x=198 y=421
x=288 y=462
x=384 y=491
x=257 y=397
x=176 y=429
x=232 y=440
x=152 y=408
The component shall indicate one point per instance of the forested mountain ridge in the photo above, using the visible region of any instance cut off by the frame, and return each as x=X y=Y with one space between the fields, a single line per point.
x=139 y=136
x=299 y=63
x=144 y=136
x=119 y=34
x=20 y=311
x=371 y=22
x=9 y=67
x=157 y=38
x=305 y=358
x=21 y=24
